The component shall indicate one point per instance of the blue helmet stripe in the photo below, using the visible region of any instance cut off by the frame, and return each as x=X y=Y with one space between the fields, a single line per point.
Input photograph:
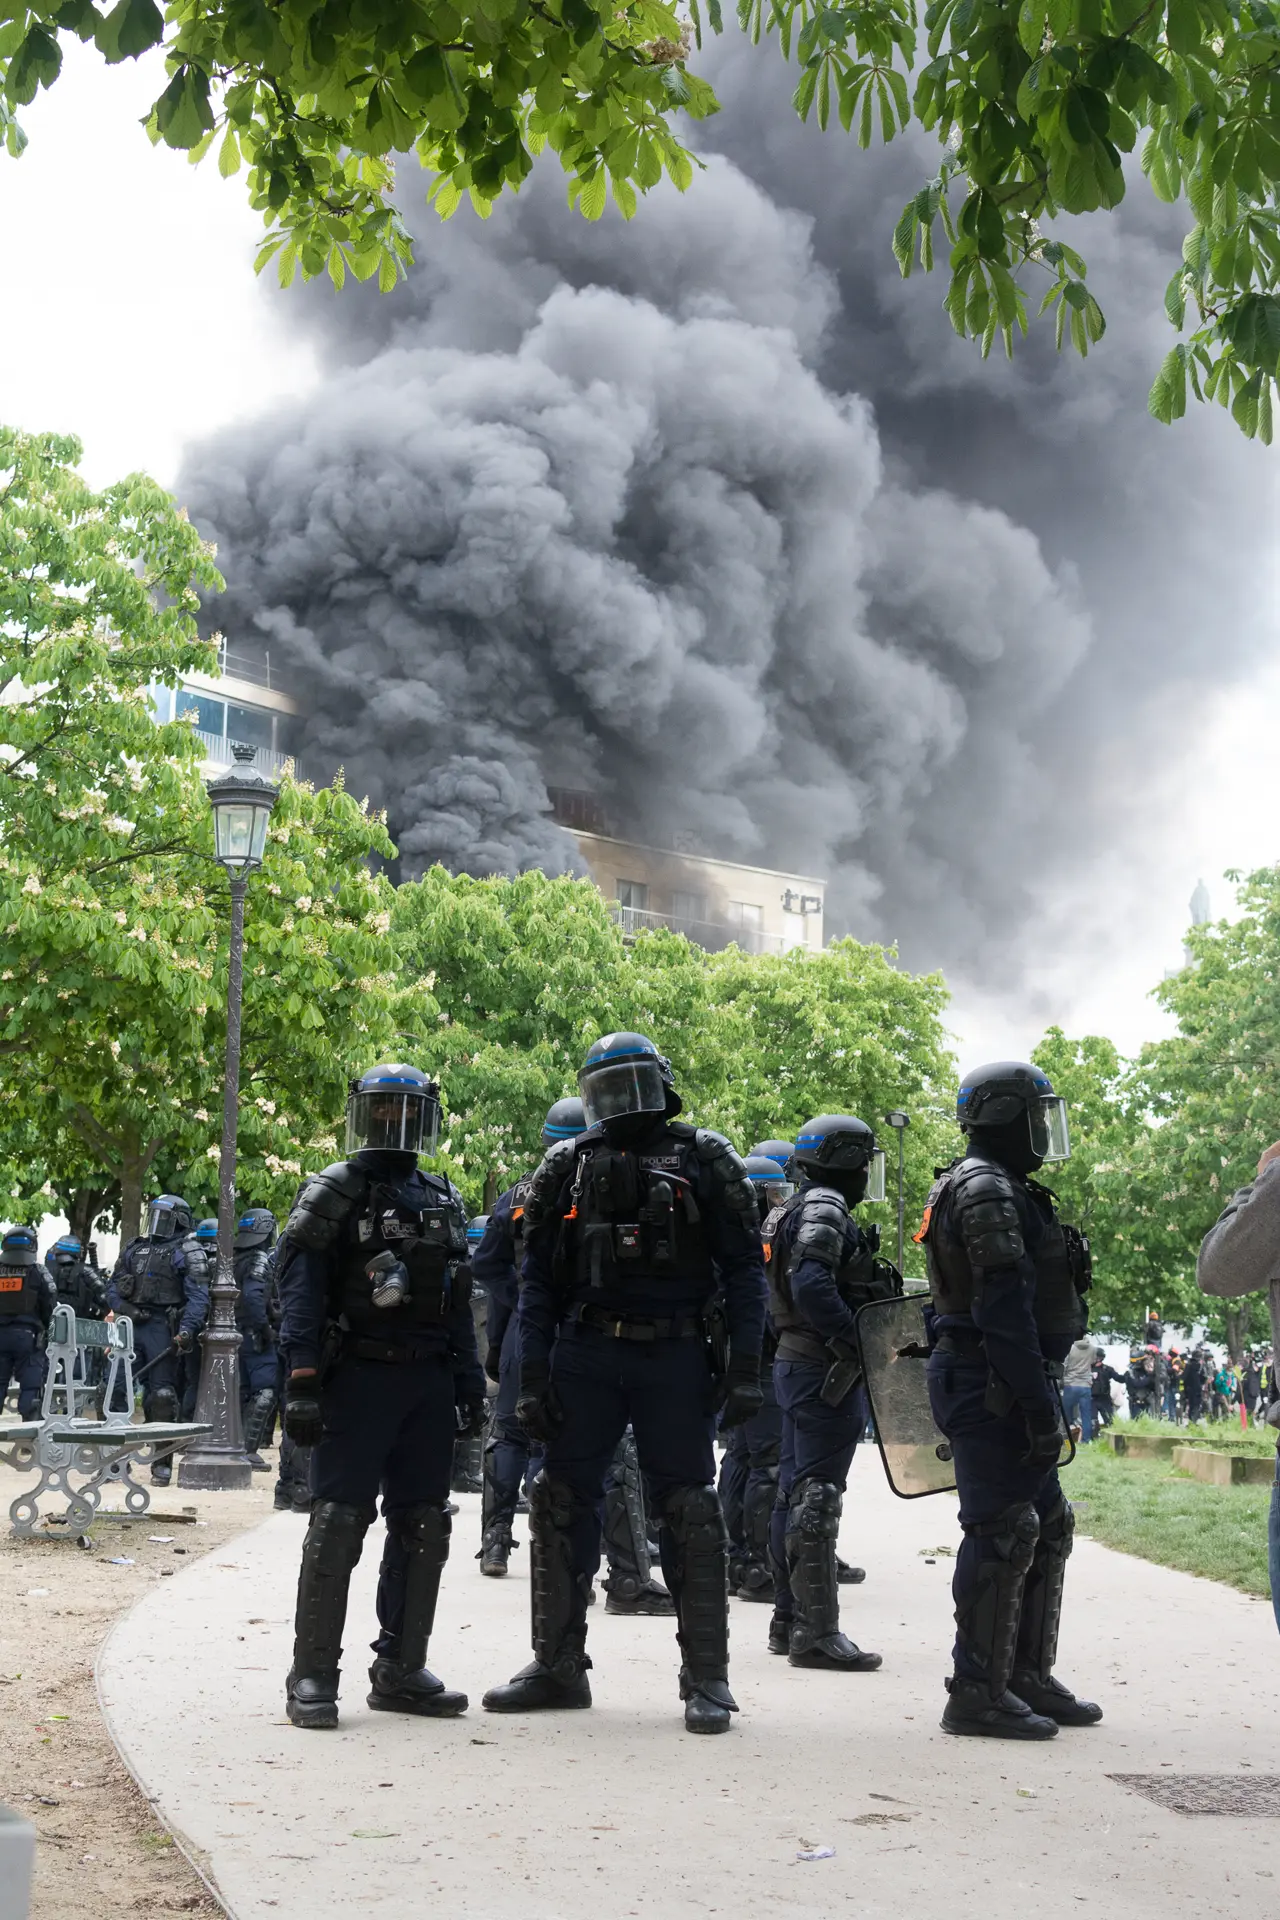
x=625 y=1053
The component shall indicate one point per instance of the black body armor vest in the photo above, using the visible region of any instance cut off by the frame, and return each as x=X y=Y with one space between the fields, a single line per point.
x=859 y=1277
x=1061 y=1257
x=19 y=1293
x=151 y=1277
x=634 y=1222
x=79 y=1288
x=423 y=1226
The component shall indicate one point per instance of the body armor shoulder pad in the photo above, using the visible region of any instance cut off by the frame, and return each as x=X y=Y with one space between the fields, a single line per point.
x=822 y=1218
x=728 y=1173
x=199 y=1264
x=547 y=1179
x=986 y=1214
x=324 y=1202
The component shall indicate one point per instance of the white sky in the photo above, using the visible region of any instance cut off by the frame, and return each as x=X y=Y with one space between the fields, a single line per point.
x=134 y=319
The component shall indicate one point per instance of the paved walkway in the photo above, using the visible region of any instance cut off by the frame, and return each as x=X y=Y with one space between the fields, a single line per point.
x=618 y=1812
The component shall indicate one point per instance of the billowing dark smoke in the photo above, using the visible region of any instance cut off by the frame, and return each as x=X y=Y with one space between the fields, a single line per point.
x=711 y=515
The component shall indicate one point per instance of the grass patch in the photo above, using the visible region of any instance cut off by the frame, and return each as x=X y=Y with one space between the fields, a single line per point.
x=1142 y=1507
x=1222 y=1436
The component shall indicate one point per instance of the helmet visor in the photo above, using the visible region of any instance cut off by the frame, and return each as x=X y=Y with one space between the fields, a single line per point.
x=163 y=1221
x=772 y=1193
x=1048 y=1119
x=621 y=1086
x=875 y=1176
x=391 y=1120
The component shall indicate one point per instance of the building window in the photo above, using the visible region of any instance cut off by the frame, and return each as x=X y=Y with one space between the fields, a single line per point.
x=748 y=916
x=633 y=894
x=690 y=909
x=250 y=724
x=210 y=714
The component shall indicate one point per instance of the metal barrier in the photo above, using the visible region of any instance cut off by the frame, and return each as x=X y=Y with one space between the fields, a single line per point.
x=73 y=1350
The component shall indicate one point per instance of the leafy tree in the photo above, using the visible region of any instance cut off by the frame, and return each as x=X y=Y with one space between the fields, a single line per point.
x=1036 y=103
x=113 y=921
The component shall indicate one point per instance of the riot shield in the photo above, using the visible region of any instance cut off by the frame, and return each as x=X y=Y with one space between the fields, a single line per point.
x=891 y=1333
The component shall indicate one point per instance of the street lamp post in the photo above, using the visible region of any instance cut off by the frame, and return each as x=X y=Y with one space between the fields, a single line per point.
x=900 y=1122
x=242 y=803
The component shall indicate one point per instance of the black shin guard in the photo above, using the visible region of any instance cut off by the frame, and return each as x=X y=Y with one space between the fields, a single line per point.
x=558 y=1595
x=421 y=1537
x=699 y=1566
x=813 y=1524
x=329 y=1555
x=1042 y=1592
x=626 y=1530
x=757 y=1569
x=988 y=1621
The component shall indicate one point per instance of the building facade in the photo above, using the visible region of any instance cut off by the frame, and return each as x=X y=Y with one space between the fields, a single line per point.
x=712 y=902
x=242 y=703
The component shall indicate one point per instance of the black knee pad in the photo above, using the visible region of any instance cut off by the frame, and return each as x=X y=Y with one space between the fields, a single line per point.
x=421 y=1529
x=1057 y=1528
x=552 y=1503
x=815 y=1507
x=695 y=1513
x=164 y=1405
x=1013 y=1534
x=336 y=1535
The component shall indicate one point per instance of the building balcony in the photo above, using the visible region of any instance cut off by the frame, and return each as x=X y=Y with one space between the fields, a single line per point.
x=712 y=935
x=217 y=751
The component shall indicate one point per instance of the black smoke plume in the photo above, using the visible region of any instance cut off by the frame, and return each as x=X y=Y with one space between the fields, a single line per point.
x=711 y=515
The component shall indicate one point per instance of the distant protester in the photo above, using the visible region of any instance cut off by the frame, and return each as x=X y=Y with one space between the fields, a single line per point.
x=1077 y=1387
x=1104 y=1376
x=1241 y=1254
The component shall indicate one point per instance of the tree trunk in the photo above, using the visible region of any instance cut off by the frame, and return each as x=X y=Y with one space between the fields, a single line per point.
x=131 y=1172
x=490 y=1192
x=1236 y=1321
x=84 y=1206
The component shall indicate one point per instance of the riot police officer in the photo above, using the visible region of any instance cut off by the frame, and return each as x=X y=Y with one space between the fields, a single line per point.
x=161 y=1280
x=749 y=1468
x=495 y=1266
x=27 y=1301
x=629 y=1230
x=252 y=1260
x=823 y=1266
x=75 y=1275
x=383 y=1372
x=1008 y=1280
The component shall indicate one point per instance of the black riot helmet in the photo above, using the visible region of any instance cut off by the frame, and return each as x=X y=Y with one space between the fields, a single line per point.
x=66 y=1252
x=564 y=1121
x=476 y=1229
x=18 y=1248
x=207 y=1232
x=771 y=1185
x=393 y=1109
x=623 y=1075
x=169 y=1218
x=1011 y=1106
x=838 y=1149
x=255 y=1228
x=779 y=1150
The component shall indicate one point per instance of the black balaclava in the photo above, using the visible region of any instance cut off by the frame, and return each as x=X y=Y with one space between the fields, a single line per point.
x=849 y=1182
x=632 y=1129
x=1009 y=1144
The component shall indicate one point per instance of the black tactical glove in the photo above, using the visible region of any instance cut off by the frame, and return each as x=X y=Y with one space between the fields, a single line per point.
x=1044 y=1438
x=493 y=1362
x=538 y=1407
x=184 y=1341
x=472 y=1418
x=741 y=1396
x=302 y=1420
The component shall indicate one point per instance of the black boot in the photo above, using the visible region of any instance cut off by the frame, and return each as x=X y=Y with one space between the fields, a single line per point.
x=1038 y=1624
x=398 y=1689
x=847 y=1576
x=468 y=1454
x=557 y=1675
x=1055 y=1701
x=629 y=1585
x=779 y=1634
x=973 y=1709
x=413 y=1560
x=496 y=1545
x=698 y=1564
x=813 y=1521
x=329 y=1555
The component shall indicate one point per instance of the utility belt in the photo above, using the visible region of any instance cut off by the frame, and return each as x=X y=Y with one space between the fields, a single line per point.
x=386 y=1352
x=962 y=1344
x=797 y=1343
x=636 y=1326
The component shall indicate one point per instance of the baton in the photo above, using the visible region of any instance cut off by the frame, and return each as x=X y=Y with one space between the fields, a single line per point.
x=162 y=1355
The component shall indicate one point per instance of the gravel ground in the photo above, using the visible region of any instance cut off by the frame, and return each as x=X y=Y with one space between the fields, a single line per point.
x=103 y=1852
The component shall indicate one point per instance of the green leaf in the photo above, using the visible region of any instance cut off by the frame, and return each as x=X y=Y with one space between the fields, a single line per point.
x=183 y=113
x=593 y=194
x=229 y=154
x=1167 y=400
x=128 y=30
x=36 y=64
x=1182 y=26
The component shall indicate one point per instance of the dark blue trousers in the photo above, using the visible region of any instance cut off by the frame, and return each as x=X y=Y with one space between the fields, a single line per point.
x=735 y=1467
x=151 y=1337
x=990 y=1474
x=818 y=1443
x=751 y=1455
x=663 y=1388
x=511 y=1459
x=389 y=1429
x=22 y=1361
